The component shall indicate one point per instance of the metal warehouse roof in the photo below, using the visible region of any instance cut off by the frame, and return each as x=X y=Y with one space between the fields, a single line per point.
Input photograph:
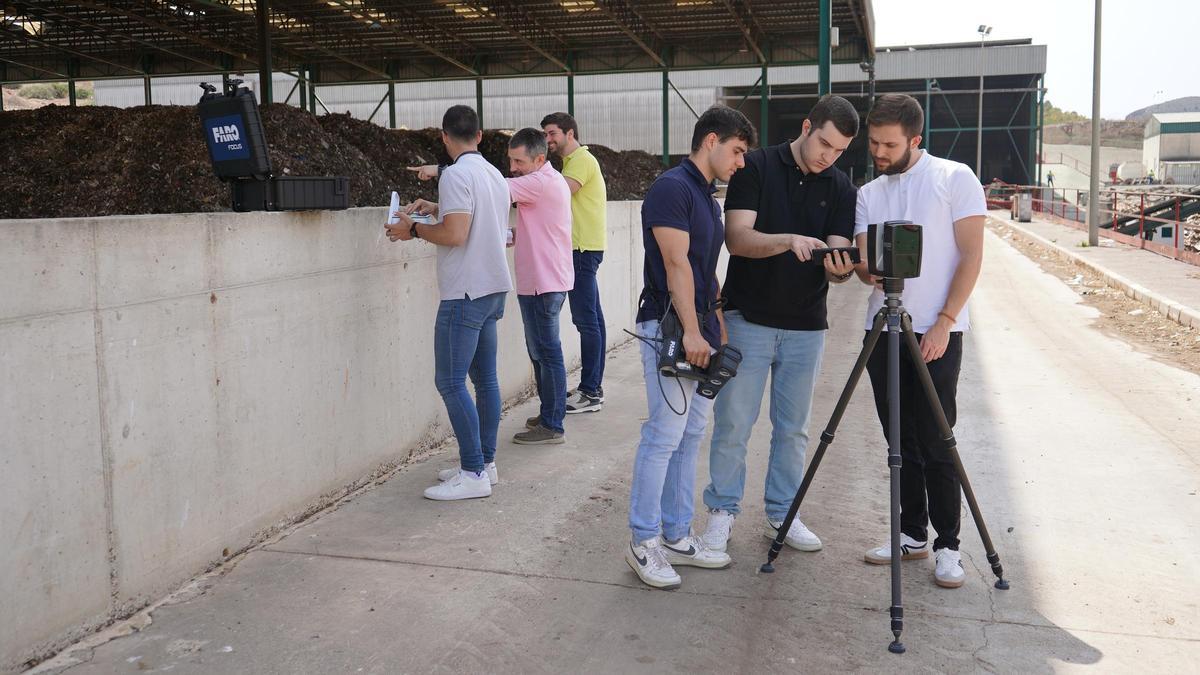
x=340 y=41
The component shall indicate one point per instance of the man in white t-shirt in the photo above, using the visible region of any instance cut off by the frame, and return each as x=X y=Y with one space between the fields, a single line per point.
x=947 y=200
x=472 y=282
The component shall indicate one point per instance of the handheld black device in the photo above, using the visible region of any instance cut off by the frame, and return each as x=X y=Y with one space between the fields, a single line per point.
x=818 y=254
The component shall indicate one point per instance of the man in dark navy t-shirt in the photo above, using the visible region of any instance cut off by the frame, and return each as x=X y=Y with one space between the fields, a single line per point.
x=789 y=201
x=682 y=231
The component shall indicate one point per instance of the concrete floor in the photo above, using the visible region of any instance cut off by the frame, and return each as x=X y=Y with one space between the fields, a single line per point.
x=1082 y=452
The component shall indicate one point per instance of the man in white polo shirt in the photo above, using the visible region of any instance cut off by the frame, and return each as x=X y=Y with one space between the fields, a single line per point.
x=472 y=215
x=946 y=199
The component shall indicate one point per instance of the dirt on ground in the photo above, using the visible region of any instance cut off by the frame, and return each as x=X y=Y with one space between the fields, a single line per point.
x=58 y=162
x=1121 y=316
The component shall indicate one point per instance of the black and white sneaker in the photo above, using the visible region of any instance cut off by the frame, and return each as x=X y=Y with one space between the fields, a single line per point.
x=649 y=561
x=910 y=549
x=579 y=402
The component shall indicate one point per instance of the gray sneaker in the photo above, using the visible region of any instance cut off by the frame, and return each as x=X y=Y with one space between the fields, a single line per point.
x=580 y=402
x=539 y=435
x=533 y=422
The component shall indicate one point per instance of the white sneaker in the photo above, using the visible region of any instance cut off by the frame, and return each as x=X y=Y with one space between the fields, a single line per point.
x=692 y=551
x=910 y=549
x=464 y=485
x=490 y=469
x=649 y=561
x=720 y=524
x=948 y=569
x=798 y=537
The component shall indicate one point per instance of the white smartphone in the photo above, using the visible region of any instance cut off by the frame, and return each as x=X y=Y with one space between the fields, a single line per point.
x=392 y=220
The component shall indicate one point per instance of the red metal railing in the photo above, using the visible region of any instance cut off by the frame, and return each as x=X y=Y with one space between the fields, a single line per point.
x=1068 y=206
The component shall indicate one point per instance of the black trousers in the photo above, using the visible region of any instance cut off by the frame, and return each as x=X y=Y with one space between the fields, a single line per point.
x=929 y=487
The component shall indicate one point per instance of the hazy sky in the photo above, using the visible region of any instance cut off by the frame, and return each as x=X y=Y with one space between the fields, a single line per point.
x=1150 y=49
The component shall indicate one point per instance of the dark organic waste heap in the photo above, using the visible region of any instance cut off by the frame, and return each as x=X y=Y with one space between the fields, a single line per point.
x=58 y=162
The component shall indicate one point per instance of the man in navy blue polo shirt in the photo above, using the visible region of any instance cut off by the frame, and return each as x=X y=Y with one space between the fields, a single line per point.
x=683 y=234
x=789 y=201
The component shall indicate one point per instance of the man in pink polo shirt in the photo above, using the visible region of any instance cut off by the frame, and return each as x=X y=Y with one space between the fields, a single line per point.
x=545 y=272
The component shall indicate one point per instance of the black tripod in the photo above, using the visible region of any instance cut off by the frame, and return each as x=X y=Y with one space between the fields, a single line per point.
x=898 y=324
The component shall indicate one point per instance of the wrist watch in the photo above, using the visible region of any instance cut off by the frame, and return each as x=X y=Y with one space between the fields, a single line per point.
x=412 y=231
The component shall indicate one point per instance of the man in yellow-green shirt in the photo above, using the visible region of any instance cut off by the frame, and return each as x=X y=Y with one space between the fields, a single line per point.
x=589 y=210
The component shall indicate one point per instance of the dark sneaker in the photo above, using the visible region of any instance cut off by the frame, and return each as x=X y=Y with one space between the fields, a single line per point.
x=599 y=393
x=539 y=435
x=580 y=402
x=533 y=421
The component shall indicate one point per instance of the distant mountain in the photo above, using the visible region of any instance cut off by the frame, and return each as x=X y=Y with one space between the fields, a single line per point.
x=1185 y=104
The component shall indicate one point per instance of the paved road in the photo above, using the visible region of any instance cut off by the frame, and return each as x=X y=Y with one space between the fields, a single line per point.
x=1082 y=451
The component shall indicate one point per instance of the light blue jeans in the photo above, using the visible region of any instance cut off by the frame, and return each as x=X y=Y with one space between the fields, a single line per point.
x=793 y=359
x=664 y=470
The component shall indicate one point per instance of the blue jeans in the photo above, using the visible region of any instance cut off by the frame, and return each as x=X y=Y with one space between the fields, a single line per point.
x=793 y=358
x=540 y=314
x=589 y=319
x=464 y=343
x=664 y=470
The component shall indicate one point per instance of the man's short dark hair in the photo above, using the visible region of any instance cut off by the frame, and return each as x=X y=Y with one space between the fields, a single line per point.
x=563 y=121
x=837 y=110
x=461 y=123
x=532 y=140
x=899 y=109
x=726 y=123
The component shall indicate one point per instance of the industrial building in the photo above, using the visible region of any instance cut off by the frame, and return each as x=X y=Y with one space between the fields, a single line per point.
x=635 y=74
x=624 y=111
x=1171 y=148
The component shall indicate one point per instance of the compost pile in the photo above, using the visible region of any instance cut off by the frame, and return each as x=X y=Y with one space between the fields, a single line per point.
x=59 y=162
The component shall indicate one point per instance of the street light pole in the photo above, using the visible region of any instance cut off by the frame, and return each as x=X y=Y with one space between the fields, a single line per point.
x=869 y=68
x=1093 y=210
x=984 y=31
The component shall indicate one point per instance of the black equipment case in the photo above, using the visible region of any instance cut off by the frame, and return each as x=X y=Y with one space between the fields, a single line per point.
x=237 y=146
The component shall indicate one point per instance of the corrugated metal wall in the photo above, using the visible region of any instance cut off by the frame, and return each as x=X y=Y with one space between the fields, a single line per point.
x=622 y=111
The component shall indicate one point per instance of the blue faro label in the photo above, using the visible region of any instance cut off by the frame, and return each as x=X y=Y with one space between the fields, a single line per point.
x=227 y=138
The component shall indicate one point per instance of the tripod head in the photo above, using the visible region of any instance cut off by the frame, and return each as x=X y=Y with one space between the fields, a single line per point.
x=893 y=288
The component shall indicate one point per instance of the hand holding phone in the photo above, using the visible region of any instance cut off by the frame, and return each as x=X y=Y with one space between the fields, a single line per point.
x=818 y=255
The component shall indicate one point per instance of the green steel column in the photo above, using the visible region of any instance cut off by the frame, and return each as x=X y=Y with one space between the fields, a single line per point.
x=764 y=109
x=571 y=94
x=479 y=100
x=302 y=87
x=1041 y=149
x=666 y=119
x=262 y=15
x=823 y=55
x=147 y=68
x=928 y=114
x=1032 y=161
x=391 y=105
x=72 y=73
x=571 y=85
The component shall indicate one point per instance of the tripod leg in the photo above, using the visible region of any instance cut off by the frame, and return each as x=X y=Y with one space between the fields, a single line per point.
x=894 y=460
x=914 y=350
x=826 y=440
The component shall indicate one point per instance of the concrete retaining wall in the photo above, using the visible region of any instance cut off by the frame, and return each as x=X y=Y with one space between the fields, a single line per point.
x=173 y=385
